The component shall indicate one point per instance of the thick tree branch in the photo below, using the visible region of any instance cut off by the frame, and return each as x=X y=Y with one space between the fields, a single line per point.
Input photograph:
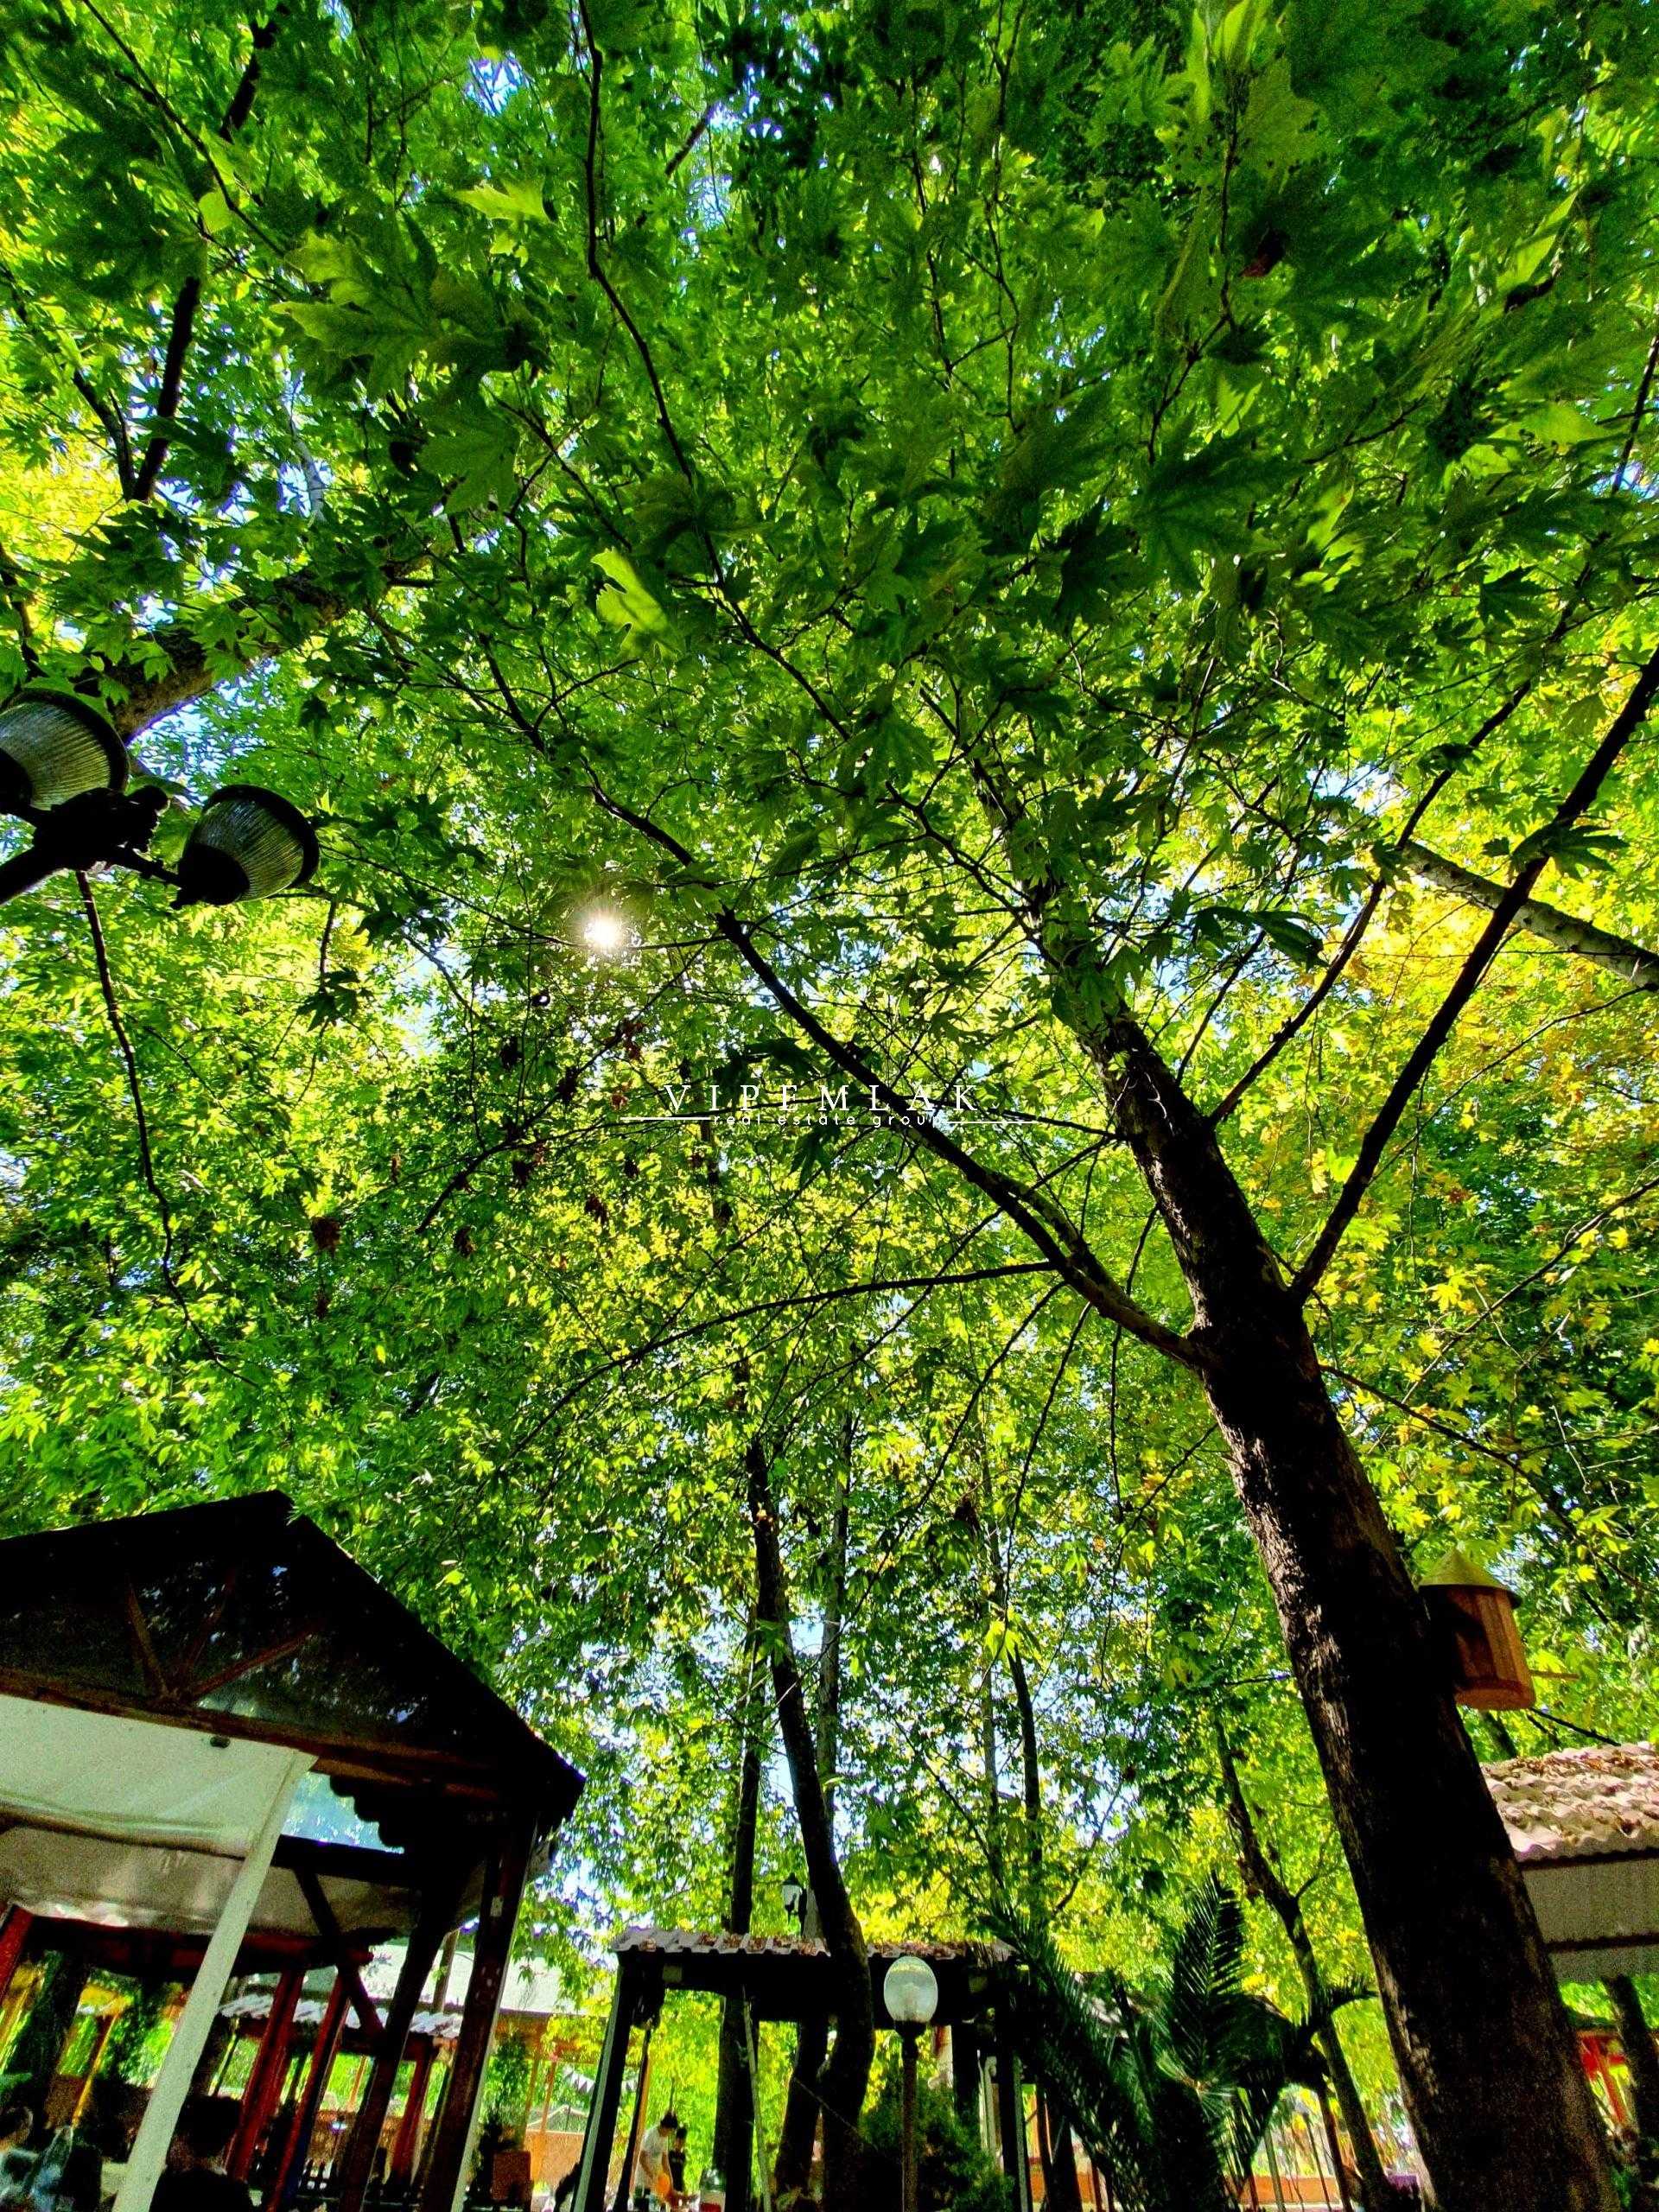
x=1631 y=963
x=1571 y=811
x=288 y=613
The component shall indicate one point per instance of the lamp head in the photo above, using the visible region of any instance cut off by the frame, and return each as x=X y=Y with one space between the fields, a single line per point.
x=247 y=843
x=54 y=745
x=909 y=1990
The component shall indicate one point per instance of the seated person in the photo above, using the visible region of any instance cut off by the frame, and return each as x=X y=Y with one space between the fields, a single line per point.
x=195 y=2179
x=18 y=2161
x=68 y=2176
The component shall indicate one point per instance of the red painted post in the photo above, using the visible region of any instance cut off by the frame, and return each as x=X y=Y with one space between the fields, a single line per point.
x=263 y=2092
x=407 y=2141
x=13 y=1936
x=286 y=2176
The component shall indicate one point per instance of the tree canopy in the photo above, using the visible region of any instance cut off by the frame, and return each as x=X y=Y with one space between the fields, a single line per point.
x=874 y=605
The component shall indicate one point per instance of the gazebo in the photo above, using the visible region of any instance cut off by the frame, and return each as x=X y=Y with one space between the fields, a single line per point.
x=224 y=1747
x=791 y=1978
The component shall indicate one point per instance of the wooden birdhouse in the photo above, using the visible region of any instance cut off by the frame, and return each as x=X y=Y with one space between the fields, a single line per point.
x=1474 y=1617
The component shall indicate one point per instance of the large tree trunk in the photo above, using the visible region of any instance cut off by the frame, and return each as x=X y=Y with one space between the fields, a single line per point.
x=732 y=2150
x=1492 y=2081
x=1375 y=2195
x=846 y=2076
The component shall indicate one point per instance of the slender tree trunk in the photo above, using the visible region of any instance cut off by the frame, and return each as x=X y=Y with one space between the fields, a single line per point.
x=1643 y=2061
x=732 y=2150
x=1375 y=2193
x=846 y=2075
x=994 y=1858
x=799 y=2127
x=835 y=1607
x=1334 y=2140
x=1056 y=2144
x=1491 y=2078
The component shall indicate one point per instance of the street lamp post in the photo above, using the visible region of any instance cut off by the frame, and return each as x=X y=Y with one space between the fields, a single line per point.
x=64 y=772
x=910 y=1991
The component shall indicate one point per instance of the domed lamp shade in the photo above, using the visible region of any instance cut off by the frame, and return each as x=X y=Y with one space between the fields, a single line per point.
x=909 y=1990
x=247 y=843
x=53 y=747
x=1473 y=1616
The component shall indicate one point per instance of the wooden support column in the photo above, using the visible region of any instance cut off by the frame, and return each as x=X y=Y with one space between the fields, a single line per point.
x=1011 y=2120
x=263 y=2095
x=607 y=2095
x=356 y=2163
x=965 y=2073
x=641 y=2091
x=101 y=2043
x=456 y=2128
x=286 y=2180
x=407 y=2140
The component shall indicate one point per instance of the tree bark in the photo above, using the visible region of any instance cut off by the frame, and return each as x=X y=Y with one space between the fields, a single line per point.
x=1264 y=1877
x=1487 y=2062
x=846 y=2075
x=732 y=2150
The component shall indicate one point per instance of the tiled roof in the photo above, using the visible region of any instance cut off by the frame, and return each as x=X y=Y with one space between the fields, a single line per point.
x=1595 y=1804
x=691 y=1943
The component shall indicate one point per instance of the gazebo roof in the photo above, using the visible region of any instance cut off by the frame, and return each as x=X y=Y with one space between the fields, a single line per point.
x=1585 y=1826
x=790 y=1977
x=185 y=1651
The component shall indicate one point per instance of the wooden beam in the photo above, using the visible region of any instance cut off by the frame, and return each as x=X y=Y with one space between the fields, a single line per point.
x=1011 y=2120
x=148 y=1662
x=641 y=2091
x=285 y=1648
x=329 y=1928
x=351 y=1862
x=335 y=1755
